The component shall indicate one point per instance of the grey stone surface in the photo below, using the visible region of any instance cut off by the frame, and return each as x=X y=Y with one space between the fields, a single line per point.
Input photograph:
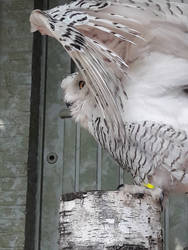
x=15 y=86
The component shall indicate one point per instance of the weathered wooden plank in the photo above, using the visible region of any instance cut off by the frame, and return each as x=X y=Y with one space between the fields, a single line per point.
x=12 y=213
x=14 y=144
x=16 y=94
x=11 y=169
x=109 y=220
x=14 y=5
x=15 y=248
x=12 y=130
x=17 y=225
x=12 y=240
x=12 y=198
x=11 y=61
x=14 y=184
x=17 y=118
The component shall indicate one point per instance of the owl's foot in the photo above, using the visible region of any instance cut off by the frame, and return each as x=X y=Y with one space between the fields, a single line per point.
x=139 y=191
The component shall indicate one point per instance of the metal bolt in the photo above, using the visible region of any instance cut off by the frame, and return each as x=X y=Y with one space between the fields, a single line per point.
x=52 y=158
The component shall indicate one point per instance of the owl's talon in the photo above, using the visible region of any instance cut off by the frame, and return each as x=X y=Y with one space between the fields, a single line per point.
x=132 y=189
x=120 y=186
x=156 y=193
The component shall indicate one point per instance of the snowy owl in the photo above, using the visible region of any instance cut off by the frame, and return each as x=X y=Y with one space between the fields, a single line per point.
x=131 y=91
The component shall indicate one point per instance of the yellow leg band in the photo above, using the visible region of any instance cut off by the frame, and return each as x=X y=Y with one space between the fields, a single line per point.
x=149 y=185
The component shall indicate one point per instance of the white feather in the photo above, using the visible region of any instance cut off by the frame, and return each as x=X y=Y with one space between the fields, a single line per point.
x=133 y=56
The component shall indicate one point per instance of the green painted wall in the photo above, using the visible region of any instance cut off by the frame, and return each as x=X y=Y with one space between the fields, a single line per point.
x=15 y=84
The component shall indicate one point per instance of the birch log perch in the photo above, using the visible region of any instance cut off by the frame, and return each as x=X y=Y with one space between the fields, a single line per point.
x=109 y=220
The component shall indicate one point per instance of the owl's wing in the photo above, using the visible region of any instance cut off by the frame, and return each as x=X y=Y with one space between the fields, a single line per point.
x=102 y=37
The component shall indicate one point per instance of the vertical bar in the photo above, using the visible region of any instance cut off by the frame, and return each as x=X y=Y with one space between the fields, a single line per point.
x=121 y=174
x=73 y=66
x=42 y=122
x=77 y=159
x=42 y=128
x=166 y=226
x=37 y=124
x=63 y=145
x=99 y=170
x=36 y=144
x=77 y=146
x=185 y=216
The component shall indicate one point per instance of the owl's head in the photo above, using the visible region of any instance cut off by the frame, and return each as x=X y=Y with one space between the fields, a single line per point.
x=79 y=99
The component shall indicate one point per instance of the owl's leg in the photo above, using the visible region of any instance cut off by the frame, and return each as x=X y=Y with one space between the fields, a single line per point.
x=155 y=193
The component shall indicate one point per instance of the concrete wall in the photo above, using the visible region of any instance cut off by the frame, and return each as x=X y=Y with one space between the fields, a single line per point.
x=15 y=86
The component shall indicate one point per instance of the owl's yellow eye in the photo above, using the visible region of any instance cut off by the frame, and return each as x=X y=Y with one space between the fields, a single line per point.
x=81 y=84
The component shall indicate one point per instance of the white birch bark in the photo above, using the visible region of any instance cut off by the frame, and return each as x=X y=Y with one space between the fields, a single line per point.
x=109 y=220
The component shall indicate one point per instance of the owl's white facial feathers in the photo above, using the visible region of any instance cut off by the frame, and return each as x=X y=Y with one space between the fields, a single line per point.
x=82 y=103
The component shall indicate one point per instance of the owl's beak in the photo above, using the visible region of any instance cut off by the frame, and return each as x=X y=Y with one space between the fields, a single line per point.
x=68 y=104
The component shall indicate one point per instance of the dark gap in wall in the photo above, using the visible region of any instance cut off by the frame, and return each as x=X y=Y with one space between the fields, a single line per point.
x=33 y=145
x=34 y=142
